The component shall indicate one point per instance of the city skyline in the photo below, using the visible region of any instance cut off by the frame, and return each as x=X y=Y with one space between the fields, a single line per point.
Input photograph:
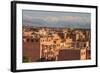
x=56 y=36
x=47 y=44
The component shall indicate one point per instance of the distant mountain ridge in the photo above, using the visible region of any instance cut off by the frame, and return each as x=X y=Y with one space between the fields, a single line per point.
x=60 y=24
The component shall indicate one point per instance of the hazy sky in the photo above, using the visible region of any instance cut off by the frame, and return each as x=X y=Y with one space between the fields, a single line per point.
x=56 y=19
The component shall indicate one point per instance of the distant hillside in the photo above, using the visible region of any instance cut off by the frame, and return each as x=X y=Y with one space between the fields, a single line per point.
x=60 y=24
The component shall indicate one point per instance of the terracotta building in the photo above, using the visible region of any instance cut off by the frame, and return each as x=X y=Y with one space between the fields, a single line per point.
x=31 y=50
